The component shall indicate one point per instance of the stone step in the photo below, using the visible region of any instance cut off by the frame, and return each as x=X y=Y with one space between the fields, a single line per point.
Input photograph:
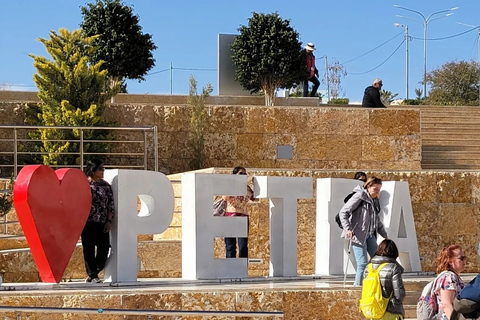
x=451 y=128
x=452 y=155
x=449 y=116
x=440 y=160
x=410 y=311
x=435 y=166
x=450 y=136
x=158 y=259
x=451 y=147
x=453 y=110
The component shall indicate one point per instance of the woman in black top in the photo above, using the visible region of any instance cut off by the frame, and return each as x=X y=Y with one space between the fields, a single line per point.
x=96 y=233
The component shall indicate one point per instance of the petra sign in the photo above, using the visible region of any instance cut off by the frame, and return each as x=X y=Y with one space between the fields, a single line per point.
x=199 y=226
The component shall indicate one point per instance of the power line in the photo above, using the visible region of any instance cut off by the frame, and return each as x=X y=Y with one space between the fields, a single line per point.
x=157 y=72
x=188 y=69
x=388 y=58
x=448 y=37
x=193 y=69
x=401 y=32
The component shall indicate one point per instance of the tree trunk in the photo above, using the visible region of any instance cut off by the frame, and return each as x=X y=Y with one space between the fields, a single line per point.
x=270 y=93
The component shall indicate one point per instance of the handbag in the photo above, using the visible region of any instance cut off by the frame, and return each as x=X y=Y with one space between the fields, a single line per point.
x=471 y=291
x=219 y=207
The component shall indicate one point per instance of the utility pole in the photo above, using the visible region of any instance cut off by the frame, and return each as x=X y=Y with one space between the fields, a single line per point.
x=406 y=55
x=469 y=25
x=171 y=78
x=326 y=79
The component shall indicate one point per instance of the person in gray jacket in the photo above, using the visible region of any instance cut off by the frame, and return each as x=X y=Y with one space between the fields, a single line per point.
x=390 y=278
x=361 y=223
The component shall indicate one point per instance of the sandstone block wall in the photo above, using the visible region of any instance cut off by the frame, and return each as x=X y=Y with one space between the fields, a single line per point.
x=320 y=137
x=445 y=208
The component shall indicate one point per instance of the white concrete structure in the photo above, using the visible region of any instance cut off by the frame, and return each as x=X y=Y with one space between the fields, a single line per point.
x=155 y=192
x=397 y=216
x=200 y=227
x=227 y=86
x=283 y=193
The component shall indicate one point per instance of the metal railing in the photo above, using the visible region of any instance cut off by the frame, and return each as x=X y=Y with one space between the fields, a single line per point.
x=139 y=312
x=17 y=141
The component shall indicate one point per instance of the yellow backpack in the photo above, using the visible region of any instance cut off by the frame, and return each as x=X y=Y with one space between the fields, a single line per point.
x=372 y=304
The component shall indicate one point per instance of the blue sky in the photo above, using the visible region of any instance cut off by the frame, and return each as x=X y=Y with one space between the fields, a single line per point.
x=186 y=33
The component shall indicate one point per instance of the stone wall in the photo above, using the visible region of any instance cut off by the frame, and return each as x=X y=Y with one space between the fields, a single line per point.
x=445 y=208
x=320 y=137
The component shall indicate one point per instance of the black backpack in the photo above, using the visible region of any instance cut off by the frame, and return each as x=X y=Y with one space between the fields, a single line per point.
x=337 y=217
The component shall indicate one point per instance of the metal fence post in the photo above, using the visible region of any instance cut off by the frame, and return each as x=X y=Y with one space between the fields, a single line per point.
x=15 y=154
x=145 y=153
x=155 y=145
x=81 y=149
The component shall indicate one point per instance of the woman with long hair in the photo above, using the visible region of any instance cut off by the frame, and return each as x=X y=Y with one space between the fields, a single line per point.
x=361 y=223
x=450 y=262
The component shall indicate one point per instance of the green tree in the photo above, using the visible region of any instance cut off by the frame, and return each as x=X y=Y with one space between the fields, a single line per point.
x=336 y=71
x=198 y=122
x=72 y=93
x=126 y=51
x=418 y=93
x=267 y=55
x=387 y=97
x=6 y=198
x=454 y=84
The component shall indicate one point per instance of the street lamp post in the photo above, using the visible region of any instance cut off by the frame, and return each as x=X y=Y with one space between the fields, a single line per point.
x=425 y=21
x=471 y=25
x=398 y=25
x=326 y=76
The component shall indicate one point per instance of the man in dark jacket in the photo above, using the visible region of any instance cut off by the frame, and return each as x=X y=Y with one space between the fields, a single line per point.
x=371 y=96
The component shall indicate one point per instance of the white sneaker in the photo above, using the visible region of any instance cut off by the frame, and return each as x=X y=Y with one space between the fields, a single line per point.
x=96 y=280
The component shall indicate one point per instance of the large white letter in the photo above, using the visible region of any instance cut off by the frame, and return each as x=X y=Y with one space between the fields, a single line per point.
x=200 y=227
x=398 y=219
x=156 y=212
x=283 y=193
x=330 y=250
x=331 y=255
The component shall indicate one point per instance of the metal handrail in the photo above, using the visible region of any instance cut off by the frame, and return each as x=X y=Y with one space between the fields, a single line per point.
x=145 y=312
x=81 y=141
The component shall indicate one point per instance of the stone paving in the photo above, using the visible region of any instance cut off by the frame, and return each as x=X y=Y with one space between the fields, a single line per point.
x=304 y=297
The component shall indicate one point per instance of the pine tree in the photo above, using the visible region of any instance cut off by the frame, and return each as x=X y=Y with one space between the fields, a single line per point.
x=198 y=123
x=72 y=92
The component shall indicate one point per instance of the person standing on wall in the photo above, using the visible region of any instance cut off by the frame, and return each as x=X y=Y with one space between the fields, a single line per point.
x=361 y=224
x=312 y=72
x=371 y=96
x=96 y=233
x=237 y=207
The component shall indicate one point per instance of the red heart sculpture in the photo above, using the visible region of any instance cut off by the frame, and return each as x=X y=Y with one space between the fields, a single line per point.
x=52 y=207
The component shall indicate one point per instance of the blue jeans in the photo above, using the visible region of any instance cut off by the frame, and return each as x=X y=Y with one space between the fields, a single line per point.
x=360 y=253
x=231 y=247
